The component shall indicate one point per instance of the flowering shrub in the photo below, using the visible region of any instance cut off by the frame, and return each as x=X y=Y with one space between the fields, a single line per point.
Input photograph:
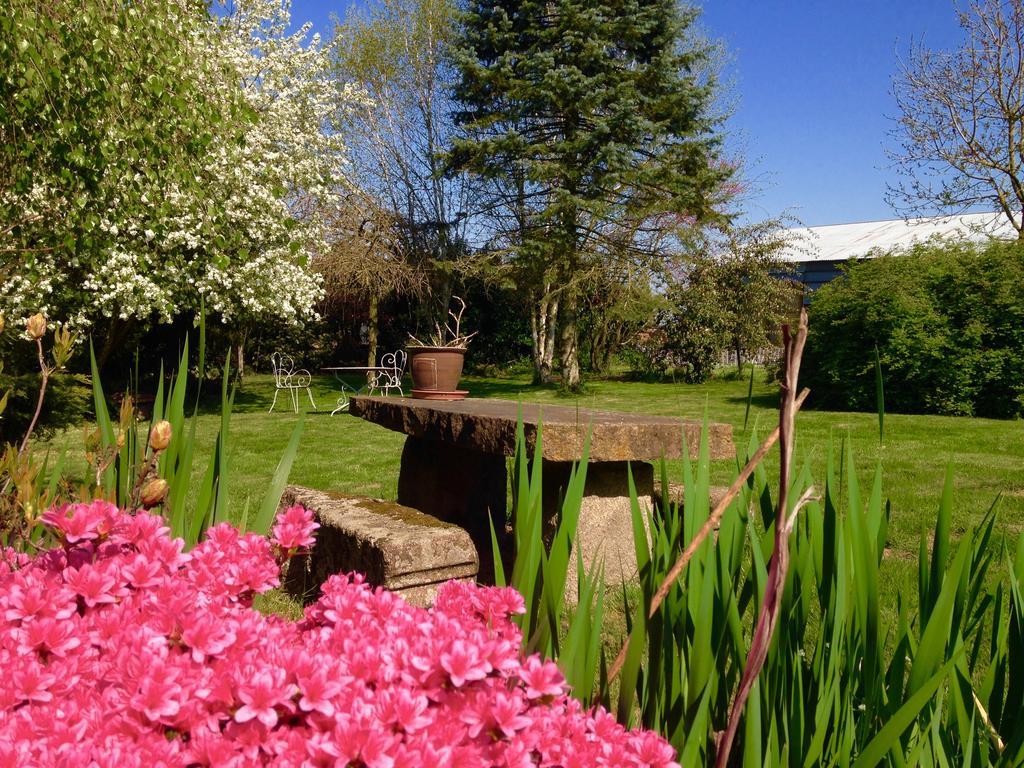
x=120 y=649
x=227 y=202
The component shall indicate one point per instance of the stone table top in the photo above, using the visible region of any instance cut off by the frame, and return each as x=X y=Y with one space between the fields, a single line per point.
x=489 y=426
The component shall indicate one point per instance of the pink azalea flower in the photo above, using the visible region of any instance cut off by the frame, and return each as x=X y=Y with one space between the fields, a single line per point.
x=463 y=663
x=26 y=601
x=206 y=635
x=652 y=750
x=31 y=682
x=81 y=522
x=93 y=585
x=49 y=636
x=141 y=572
x=261 y=693
x=158 y=695
x=294 y=528
x=543 y=679
x=317 y=690
x=405 y=708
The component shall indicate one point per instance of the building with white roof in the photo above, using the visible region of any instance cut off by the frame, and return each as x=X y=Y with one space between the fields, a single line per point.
x=817 y=253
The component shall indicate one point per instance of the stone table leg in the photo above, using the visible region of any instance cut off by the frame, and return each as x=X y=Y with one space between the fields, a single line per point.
x=459 y=486
x=605 y=531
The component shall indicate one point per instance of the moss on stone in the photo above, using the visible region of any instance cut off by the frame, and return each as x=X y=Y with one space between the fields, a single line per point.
x=391 y=509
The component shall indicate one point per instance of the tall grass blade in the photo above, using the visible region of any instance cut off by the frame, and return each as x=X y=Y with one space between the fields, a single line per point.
x=158 y=401
x=631 y=669
x=202 y=347
x=940 y=548
x=499 y=568
x=243 y=525
x=750 y=399
x=935 y=636
x=557 y=561
x=879 y=396
x=108 y=441
x=227 y=404
x=54 y=476
x=272 y=498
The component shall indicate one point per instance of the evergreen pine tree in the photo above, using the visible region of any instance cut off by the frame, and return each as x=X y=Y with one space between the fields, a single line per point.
x=592 y=113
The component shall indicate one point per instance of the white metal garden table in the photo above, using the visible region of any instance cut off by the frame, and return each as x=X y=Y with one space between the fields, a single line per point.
x=371 y=386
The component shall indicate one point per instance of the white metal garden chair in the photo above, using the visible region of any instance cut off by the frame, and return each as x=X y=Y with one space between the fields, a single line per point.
x=389 y=374
x=289 y=379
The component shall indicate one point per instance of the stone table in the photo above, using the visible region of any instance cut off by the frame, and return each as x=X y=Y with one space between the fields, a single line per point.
x=454 y=463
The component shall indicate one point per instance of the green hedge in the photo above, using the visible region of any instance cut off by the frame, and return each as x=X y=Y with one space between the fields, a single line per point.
x=948 y=320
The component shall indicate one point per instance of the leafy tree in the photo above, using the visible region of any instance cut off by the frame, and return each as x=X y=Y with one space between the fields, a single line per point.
x=694 y=330
x=99 y=100
x=156 y=155
x=617 y=303
x=743 y=273
x=959 y=131
x=592 y=116
x=731 y=294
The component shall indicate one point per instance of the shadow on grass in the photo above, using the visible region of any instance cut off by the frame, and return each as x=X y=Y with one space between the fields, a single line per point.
x=506 y=389
x=768 y=400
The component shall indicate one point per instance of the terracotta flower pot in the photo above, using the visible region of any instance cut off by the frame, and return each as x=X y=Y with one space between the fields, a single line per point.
x=436 y=369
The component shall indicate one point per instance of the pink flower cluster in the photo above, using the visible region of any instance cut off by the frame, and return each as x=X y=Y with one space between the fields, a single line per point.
x=119 y=649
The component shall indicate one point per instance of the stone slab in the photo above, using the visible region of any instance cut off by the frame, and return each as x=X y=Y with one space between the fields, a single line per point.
x=395 y=546
x=489 y=426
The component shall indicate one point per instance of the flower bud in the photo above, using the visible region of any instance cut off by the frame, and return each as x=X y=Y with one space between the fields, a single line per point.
x=36 y=326
x=154 y=492
x=160 y=435
x=1 y=323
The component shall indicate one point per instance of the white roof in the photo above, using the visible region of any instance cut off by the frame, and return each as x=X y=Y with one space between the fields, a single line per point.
x=839 y=242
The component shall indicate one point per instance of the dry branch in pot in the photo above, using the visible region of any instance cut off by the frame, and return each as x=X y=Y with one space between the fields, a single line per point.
x=447 y=336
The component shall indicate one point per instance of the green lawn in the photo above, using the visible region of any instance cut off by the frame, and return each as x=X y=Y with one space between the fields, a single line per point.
x=349 y=454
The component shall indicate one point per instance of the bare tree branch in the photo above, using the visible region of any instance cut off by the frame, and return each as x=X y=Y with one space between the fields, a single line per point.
x=960 y=132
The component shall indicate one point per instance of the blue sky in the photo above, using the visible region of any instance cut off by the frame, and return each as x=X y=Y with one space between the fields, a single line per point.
x=812 y=82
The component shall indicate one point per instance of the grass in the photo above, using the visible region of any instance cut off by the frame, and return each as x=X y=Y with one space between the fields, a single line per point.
x=351 y=455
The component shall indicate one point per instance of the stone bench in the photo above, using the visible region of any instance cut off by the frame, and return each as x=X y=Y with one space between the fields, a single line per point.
x=396 y=547
x=454 y=465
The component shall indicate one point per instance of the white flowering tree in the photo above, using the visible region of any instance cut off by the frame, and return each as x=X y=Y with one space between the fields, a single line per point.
x=231 y=217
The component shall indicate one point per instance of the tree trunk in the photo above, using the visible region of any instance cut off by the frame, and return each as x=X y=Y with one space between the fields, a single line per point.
x=600 y=346
x=571 y=381
x=371 y=332
x=239 y=337
x=536 y=335
x=116 y=334
x=739 y=357
x=569 y=240
x=606 y=359
x=543 y=319
x=548 y=359
x=614 y=344
x=443 y=292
